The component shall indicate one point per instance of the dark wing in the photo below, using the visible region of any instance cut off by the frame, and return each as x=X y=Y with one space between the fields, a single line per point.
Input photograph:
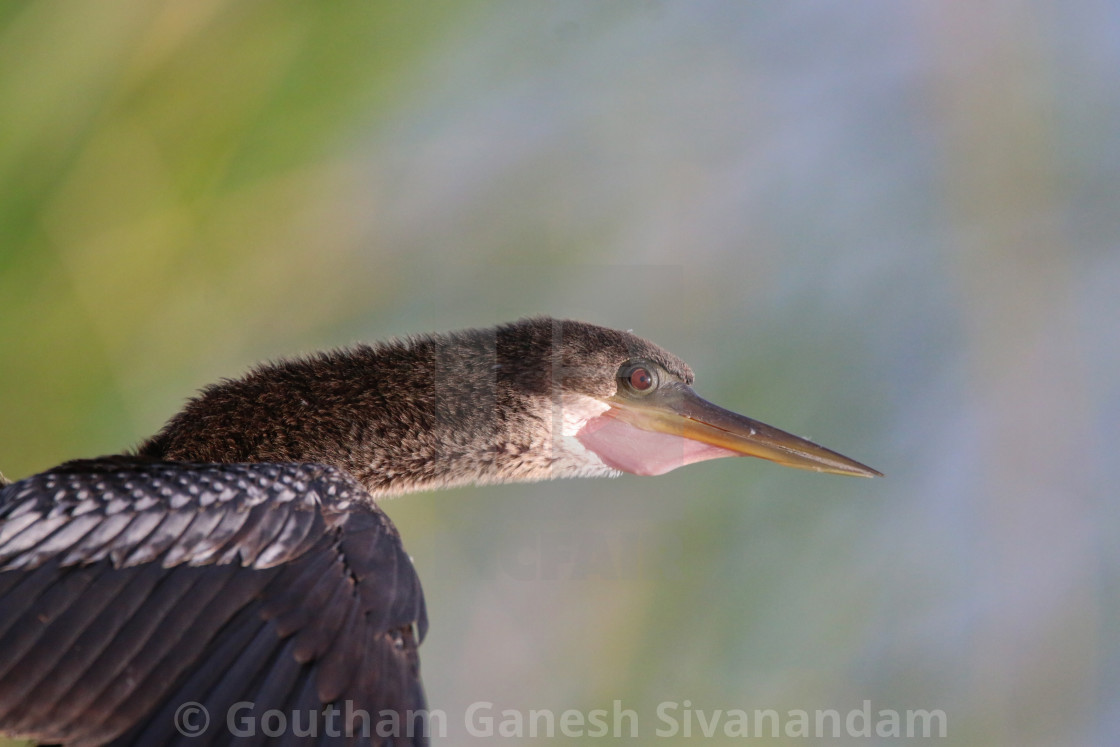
x=130 y=590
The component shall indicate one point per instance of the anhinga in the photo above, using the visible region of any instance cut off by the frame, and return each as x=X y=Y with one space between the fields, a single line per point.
x=239 y=555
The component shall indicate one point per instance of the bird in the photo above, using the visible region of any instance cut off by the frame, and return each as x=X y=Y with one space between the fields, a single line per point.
x=242 y=555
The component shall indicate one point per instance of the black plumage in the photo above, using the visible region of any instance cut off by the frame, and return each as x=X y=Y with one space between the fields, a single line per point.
x=207 y=583
x=238 y=555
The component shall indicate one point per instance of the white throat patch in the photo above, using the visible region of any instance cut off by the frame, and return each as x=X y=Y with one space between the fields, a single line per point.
x=573 y=459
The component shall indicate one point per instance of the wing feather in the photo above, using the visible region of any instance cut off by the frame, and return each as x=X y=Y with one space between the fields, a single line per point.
x=90 y=624
x=203 y=527
x=163 y=535
x=96 y=545
x=129 y=587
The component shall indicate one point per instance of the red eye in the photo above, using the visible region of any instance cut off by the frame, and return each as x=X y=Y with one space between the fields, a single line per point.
x=640 y=379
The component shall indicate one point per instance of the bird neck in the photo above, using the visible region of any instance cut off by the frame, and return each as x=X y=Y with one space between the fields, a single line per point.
x=419 y=414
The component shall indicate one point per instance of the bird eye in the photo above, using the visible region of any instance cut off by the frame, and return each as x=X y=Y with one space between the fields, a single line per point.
x=638 y=377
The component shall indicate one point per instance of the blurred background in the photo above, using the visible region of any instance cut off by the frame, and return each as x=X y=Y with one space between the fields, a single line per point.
x=889 y=227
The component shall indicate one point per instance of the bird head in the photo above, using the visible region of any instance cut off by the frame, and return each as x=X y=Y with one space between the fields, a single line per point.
x=622 y=403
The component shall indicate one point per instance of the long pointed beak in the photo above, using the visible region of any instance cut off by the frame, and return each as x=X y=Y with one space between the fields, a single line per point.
x=675 y=409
